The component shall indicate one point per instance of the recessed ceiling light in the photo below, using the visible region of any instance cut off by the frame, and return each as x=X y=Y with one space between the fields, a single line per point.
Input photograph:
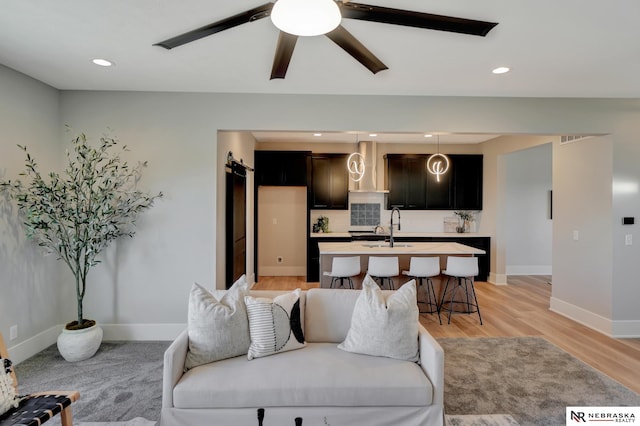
x=428 y=136
x=317 y=134
x=500 y=70
x=102 y=62
x=373 y=135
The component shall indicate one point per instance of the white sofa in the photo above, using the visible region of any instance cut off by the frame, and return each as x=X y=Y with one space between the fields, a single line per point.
x=319 y=383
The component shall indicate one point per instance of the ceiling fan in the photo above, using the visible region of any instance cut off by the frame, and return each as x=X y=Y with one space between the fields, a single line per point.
x=336 y=32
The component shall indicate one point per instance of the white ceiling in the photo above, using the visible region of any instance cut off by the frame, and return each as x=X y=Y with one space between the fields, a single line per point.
x=353 y=137
x=568 y=48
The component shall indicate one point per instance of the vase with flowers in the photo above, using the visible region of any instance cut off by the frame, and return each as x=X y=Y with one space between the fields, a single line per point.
x=465 y=218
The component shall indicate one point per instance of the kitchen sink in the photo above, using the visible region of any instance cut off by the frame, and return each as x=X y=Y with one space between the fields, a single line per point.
x=386 y=245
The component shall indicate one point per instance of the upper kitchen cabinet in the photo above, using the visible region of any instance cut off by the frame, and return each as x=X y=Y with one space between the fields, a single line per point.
x=439 y=189
x=406 y=181
x=467 y=185
x=411 y=187
x=329 y=182
x=282 y=168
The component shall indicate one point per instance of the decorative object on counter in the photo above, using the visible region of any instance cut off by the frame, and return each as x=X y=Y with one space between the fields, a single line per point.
x=450 y=224
x=322 y=225
x=76 y=214
x=438 y=164
x=465 y=218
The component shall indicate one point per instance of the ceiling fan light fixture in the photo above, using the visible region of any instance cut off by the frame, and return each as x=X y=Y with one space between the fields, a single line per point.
x=306 y=17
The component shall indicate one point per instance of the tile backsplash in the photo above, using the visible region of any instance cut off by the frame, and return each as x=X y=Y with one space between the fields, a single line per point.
x=365 y=214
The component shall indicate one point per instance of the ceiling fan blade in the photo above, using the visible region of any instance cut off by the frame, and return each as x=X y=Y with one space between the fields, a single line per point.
x=284 y=51
x=352 y=46
x=409 y=18
x=224 y=24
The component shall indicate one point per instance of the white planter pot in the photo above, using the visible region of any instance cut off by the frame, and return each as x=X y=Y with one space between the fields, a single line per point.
x=78 y=345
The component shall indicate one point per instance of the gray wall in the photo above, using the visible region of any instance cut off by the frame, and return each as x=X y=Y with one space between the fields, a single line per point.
x=140 y=291
x=527 y=224
x=30 y=291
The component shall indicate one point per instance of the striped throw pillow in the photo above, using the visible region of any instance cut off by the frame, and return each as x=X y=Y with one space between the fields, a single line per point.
x=274 y=324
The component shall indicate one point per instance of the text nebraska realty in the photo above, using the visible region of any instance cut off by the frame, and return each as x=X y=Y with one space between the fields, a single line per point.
x=600 y=417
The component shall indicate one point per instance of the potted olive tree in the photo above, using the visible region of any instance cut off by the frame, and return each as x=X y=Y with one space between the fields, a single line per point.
x=76 y=214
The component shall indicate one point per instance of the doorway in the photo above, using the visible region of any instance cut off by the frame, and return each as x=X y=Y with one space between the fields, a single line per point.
x=236 y=223
x=282 y=231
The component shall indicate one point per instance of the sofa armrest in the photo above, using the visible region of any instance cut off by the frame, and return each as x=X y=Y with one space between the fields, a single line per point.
x=432 y=363
x=173 y=369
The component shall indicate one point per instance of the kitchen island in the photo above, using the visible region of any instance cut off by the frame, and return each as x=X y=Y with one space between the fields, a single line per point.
x=403 y=250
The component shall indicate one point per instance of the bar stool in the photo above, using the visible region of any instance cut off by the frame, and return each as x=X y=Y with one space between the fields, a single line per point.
x=462 y=270
x=383 y=268
x=343 y=268
x=424 y=268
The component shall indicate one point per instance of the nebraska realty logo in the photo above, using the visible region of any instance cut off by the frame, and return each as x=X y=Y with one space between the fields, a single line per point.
x=602 y=414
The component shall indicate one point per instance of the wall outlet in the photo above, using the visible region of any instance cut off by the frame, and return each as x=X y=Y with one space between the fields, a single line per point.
x=279 y=259
x=576 y=235
x=13 y=332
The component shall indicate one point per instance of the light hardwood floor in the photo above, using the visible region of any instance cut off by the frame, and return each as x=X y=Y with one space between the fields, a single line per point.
x=521 y=308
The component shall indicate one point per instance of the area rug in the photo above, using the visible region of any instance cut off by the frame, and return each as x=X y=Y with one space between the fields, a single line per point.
x=480 y=420
x=526 y=377
x=121 y=382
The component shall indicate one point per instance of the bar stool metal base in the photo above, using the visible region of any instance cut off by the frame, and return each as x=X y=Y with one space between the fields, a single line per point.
x=431 y=301
x=341 y=279
x=466 y=306
x=382 y=281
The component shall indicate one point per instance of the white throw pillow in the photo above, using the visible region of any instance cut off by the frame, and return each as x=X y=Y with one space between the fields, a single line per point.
x=382 y=327
x=275 y=325
x=218 y=329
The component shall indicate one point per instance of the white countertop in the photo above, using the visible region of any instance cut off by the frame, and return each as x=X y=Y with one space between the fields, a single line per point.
x=372 y=248
x=404 y=234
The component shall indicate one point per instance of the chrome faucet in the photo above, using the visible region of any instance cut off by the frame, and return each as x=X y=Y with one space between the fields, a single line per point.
x=395 y=209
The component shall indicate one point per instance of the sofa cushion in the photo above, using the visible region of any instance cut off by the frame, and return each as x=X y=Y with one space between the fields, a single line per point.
x=218 y=328
x=384 y=326
x=275 y=325
x=318 y=375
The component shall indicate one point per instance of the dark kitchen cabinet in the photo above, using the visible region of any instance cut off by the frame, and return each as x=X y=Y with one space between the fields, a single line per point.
x=411 y=187
x=329 y=182
x=282 y=168
x=406 y=181
x=467 y=175
x=439 y=189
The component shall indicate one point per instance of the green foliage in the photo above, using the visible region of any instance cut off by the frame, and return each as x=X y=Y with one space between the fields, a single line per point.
x=76 y=214
x=465 y=215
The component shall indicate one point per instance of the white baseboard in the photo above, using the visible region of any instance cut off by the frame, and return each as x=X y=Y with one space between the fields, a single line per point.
x=43 y=340
x=497 y=279
x=528 y=269
x=581 y=315
x=626 y=329
x=142 y=331
x=615 y=329
x=35 y=344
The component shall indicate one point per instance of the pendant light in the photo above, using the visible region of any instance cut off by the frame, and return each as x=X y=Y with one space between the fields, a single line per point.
x=438 y=164
x=356 y=165
x=306 y=17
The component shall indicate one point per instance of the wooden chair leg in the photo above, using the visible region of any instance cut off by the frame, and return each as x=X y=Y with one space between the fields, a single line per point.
x=66 y=417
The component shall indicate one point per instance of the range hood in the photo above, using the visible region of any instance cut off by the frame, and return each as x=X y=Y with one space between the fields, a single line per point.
x=368 y=183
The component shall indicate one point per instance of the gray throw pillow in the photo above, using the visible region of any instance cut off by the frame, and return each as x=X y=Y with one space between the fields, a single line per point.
x=382 y=327
x=218 y=329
